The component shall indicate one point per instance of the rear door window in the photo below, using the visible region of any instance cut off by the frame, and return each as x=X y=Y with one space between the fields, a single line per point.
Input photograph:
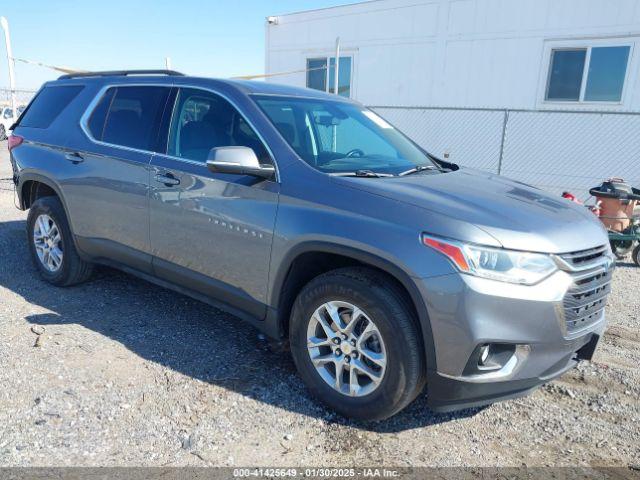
x=48 y=104
x=129 y=116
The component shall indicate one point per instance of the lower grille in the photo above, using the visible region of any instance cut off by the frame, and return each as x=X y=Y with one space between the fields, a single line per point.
x=585 y=301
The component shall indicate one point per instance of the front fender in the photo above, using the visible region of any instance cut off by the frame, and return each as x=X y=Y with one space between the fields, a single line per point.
x=367 y=258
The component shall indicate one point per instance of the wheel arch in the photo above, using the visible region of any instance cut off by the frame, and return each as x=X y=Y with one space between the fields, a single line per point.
x=30 y=183
x=29 y=188
x=286 y=285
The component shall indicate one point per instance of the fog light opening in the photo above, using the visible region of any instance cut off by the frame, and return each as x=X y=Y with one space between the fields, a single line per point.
x=492 y=356
x=484 y=355
x=492 y=361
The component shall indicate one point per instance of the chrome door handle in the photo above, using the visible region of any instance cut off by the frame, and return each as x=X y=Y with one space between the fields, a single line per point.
x=74 y=157
x=167 y=179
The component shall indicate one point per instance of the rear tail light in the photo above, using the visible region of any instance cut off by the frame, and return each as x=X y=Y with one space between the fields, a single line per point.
x=14 y=141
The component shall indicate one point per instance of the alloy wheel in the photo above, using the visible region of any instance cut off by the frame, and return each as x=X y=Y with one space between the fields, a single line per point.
x=48 y=243
x=346 y=348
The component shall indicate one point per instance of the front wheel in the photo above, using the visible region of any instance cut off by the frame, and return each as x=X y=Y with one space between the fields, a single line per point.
x=356 y=344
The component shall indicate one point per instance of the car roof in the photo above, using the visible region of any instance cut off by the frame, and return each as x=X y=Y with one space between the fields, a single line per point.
x=247 y=87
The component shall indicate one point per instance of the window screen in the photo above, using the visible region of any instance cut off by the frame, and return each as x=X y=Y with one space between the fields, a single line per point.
x=129 y=116
x=565 y=78
x=48 y=104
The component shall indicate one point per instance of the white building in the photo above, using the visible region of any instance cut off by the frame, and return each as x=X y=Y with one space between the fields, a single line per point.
x=544 y=91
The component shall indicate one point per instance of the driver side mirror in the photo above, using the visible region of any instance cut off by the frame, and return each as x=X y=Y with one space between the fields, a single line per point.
x=238 y=161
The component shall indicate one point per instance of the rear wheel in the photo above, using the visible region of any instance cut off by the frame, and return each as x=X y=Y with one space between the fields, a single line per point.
x=51 y=244
x=636 y=255
x=356 y=344
x=3 y=133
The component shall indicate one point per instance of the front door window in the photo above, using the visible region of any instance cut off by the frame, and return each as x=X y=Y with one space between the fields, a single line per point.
x=203 y=120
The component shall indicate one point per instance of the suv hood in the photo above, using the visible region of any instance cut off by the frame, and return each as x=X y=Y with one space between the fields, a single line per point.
x=518 y=216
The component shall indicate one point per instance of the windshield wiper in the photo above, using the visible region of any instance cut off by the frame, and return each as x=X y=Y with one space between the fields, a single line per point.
x=362 y=173
x=422 y=168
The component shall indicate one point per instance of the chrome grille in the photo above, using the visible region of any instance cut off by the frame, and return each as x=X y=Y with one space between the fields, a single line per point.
x=585 y=258
x=584 y=302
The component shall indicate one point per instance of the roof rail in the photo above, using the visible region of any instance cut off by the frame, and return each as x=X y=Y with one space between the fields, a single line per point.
x=114 y=73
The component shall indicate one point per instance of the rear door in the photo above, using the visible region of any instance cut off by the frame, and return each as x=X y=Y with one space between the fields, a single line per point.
x=211 y=232
x=107 y=194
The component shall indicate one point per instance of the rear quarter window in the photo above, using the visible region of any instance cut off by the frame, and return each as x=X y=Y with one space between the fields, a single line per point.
x=48 y=104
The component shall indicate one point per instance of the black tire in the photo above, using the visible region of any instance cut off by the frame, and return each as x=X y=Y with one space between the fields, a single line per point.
x=621 y=248
x=73 y=269
x=636 y=255
x=386 y=306
x=3 y=133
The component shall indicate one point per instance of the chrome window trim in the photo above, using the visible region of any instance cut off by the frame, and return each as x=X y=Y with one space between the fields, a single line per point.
x=182 y=160
x=84 y=119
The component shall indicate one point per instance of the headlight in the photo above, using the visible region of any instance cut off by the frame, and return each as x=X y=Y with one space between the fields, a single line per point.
x=511 y=266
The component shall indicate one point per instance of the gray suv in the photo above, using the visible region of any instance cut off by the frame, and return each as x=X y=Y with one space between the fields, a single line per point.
x=385 y=268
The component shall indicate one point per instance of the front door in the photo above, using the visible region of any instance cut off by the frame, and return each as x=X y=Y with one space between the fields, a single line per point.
x=211 y=232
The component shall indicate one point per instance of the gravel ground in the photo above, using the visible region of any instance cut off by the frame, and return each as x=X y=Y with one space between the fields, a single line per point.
x=121 y=372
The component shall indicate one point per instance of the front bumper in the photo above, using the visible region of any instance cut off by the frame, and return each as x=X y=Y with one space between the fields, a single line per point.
x=448 y=394
x=466 y=312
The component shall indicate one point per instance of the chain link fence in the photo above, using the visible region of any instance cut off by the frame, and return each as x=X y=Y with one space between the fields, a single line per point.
x=554 y=150
x=22 y=96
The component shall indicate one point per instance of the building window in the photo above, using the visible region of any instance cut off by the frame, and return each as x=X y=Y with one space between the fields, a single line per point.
x=591 y=74
x=319 y=77
x=607 y=71
x=317 y=73
x=565 y=78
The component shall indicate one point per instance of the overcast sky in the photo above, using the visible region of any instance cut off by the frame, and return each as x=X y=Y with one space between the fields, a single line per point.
x=210 y=38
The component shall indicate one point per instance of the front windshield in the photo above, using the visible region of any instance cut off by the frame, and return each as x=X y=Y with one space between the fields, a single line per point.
x=338 y=137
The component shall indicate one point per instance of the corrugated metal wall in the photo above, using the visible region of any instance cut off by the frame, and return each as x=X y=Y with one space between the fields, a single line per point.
x=555 y=151
x=455 y=53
